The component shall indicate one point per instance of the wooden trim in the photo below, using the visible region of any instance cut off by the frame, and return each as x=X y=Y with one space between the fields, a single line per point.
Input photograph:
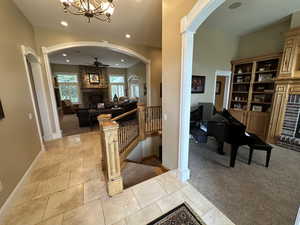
x=124 y=115
x=293 y=32
x=257 y=58
x=129 y=149
x=165 y=168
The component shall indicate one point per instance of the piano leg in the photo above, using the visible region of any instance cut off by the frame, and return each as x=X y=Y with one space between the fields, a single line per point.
x=234 y=150
x=221 y=148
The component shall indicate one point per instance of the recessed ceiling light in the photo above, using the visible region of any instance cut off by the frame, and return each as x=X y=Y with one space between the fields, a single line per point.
x=122 y=60
x=64 y=55
x=128 y=36
x=235 y=5
x=68 y=60
x=64 y=23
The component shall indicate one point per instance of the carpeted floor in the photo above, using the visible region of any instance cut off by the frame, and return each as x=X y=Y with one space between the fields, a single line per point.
x=248 y=195
x=135 y=173
x=70 y=126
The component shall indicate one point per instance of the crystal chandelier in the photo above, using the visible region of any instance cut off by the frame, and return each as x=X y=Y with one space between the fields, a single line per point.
x=99 y=9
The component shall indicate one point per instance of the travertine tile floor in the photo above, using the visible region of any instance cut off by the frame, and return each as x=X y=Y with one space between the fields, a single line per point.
x=67 y=187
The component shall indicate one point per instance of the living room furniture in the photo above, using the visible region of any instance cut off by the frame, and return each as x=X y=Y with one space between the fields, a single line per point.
x=257 y=144
x=68 y=107
x=87 y=116
x=252 y=92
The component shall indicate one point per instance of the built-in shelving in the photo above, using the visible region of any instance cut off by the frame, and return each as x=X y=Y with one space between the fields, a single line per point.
x=253 y=83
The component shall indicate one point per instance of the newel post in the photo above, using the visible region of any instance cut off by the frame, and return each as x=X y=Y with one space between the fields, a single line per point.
x=110 y=148
x=101 y=118
x=142 y=119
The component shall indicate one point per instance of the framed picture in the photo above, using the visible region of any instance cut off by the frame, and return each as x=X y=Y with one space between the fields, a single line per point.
x=94 y=78
x=198 y=84
x=218 y=87
x=1 y=111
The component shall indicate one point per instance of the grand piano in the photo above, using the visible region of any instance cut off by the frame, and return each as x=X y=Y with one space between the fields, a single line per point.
x=205 y=121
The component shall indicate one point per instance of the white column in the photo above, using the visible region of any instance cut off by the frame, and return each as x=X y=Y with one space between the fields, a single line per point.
x=185 y=104
x=298 y=218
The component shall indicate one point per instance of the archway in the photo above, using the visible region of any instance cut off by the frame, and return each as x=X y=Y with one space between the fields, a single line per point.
x=47 y=50
x=189 y=25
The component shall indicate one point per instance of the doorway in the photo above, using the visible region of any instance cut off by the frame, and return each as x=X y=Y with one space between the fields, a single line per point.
x=33 y=69
x=222 y=89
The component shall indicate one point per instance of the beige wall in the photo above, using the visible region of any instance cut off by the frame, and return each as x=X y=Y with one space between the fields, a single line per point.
x=47 y=38
x=265 y=41
x=213 y=50
x=138 y=70
x=156 y=75
x=173 y=11
x=19 y=142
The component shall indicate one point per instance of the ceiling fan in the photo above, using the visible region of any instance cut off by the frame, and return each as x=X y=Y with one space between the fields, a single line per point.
x=98 y=64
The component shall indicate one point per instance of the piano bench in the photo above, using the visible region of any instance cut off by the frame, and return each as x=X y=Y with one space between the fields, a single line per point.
x=258 y=144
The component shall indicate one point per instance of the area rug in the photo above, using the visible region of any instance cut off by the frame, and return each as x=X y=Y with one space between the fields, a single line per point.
x=181 y=215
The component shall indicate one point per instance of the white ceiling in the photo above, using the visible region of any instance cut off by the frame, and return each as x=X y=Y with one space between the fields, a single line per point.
x=86 y=55
x=140 y=18
x=252 y=15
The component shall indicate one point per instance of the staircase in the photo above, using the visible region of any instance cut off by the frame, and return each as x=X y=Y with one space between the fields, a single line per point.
x=119 y=137
x=134 y=173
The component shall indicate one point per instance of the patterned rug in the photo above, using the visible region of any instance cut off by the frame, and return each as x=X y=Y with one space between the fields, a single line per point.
x=181 y=215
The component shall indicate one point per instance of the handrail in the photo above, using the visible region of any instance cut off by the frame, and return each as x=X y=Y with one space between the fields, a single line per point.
x=124 y=115
x=118 y=139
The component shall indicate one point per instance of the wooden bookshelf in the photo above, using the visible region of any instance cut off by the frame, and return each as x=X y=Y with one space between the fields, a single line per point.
x=252 y=91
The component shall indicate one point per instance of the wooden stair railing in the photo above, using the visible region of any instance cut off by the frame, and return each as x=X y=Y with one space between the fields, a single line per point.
x=120 y=135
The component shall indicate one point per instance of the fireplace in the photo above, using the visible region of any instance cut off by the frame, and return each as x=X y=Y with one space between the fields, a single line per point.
x=90 y=97
x=290 y=135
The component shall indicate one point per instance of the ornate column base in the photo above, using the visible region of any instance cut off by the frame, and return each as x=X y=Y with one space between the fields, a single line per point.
x=115 y=186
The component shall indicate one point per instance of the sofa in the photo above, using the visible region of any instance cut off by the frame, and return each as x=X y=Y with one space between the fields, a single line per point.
x=88 y=116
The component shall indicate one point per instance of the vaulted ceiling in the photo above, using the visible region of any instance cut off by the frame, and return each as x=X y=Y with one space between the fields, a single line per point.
x=142 y=19
x=252 y=15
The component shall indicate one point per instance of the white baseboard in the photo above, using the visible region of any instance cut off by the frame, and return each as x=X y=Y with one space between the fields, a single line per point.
x=11 y=197
x=57 y=135
x=53 y=136
x=183 y=175
x=48 y=137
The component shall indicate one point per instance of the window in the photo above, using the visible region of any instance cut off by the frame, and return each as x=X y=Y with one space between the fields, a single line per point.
x=68 y=87
x=117 y=85
x=135 y=90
